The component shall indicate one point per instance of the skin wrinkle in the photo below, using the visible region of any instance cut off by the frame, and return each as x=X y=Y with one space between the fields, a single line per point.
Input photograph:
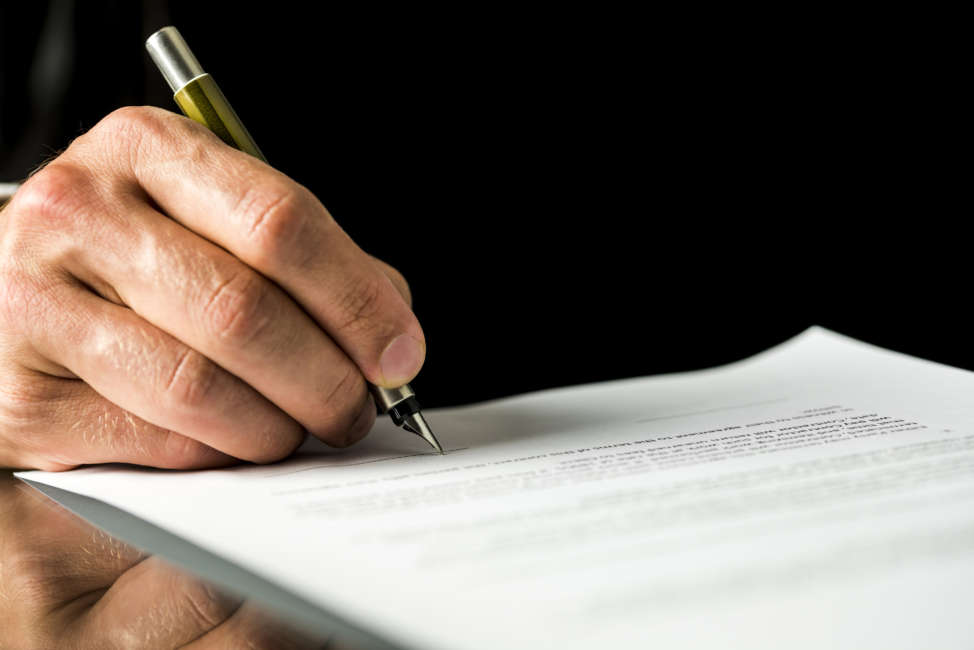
x=65 y=246
x=128 y=126
x=134 y=630
x=42 y=581
x=98 y=192
x=210 y=272
x=104 y=430
x=97 y=555
x=21 y=402
x=6 y=571
x=359 y=304
x=86 y=261
x=168 y=275
x=178 y=368
x=282 y=236
x=347 y=380
x=53 y=314
x=25 y=304
x=266 y=217
x=201 y=597
x=216 y=293
x=88 y=224
x=248 y=316
x=206 y=633
x=182 y=594
x=166 y=142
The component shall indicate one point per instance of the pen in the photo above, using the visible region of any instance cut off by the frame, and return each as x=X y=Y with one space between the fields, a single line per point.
x=202 y=100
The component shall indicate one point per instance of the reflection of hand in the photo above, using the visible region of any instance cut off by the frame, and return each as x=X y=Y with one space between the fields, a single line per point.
x=65 y=584
x=168 y=300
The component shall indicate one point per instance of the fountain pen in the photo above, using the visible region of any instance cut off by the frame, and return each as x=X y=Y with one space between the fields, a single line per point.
x=201 y=100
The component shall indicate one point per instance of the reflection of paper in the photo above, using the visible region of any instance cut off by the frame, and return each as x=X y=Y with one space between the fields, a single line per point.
x=818 y=495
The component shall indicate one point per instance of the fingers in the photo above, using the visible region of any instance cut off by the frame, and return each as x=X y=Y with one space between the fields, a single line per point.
x=54 y=566
x=154 y=605
x=55 y=424
x=232 y=321
x=164 y=382
x=273 y=225
x=215 y=304
x=67 y=584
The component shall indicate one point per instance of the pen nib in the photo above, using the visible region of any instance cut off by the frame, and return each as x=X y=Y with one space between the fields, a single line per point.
x=415 y=423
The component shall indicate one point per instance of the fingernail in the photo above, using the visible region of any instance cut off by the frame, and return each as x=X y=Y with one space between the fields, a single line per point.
x=401 y=360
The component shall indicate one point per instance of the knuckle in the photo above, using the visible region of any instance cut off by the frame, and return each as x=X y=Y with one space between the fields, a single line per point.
x=239 y=309
x=26 y=625
x=276 y=220
x=24 y=405
x=126 y=117
x=340 y=408
x=360 y=303
x=29 y=307
x=132 y=121
x=29 y=408
x=192 y=380
x=126 y=122
x=29 y=580
x=202 y=603
x=127 y=132
x=53 y=199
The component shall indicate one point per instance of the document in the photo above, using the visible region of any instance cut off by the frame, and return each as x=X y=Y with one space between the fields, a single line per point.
x=817 y=495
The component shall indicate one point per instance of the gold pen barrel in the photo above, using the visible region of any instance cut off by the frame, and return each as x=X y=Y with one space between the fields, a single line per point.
x=202 y=100
x=196 y=92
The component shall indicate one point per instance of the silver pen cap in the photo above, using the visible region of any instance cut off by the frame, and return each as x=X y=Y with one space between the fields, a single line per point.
x=173 y=57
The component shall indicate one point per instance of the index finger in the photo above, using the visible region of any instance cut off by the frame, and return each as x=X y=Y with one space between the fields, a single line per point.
x=277 y=227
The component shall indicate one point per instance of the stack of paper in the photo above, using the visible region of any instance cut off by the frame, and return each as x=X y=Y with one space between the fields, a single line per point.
x=818 y=495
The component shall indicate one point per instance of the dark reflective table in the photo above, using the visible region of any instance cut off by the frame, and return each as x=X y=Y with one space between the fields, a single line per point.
x=65 y=583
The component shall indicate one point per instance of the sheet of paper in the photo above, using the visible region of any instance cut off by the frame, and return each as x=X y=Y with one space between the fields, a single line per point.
x=820 y=494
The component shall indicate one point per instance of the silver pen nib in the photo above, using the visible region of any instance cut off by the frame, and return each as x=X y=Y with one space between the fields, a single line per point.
x=401 y=405
x=416 y=423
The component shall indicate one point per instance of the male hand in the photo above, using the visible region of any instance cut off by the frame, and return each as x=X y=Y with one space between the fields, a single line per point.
x=167 y=300
x=65 y=584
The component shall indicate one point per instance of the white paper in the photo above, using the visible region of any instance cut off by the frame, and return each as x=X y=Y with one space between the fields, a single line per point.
x=820 y=494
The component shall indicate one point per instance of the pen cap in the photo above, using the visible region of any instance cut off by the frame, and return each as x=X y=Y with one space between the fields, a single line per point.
x=173 y=57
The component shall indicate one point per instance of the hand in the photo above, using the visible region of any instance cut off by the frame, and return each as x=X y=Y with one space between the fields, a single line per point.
x=65 y=584
x=167 y=300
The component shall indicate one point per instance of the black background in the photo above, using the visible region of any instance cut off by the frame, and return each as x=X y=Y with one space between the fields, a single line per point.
x=586 y=195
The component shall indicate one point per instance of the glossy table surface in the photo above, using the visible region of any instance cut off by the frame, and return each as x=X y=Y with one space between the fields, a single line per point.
x=65 y=583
